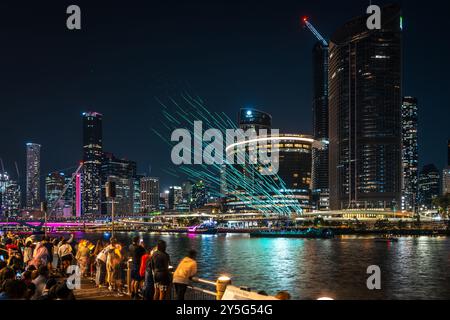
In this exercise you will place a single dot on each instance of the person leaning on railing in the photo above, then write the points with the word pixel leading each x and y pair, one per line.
pixel 184 273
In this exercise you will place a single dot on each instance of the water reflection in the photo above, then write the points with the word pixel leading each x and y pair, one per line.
pixel 412 268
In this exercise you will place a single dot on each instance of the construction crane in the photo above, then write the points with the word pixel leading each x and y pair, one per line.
pixel 315 32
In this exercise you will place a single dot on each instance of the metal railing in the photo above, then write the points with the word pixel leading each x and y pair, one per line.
pixel 192 292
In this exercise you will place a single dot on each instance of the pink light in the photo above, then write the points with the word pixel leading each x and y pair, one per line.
pixel 78 195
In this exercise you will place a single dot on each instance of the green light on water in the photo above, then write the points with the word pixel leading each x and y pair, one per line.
pixel 401 23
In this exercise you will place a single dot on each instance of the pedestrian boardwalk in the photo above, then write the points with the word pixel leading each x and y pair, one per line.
pixel 89 291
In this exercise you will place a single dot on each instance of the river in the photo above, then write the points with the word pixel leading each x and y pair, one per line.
pixel 412 268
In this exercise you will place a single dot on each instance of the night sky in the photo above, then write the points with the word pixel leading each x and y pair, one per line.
pixel 232 54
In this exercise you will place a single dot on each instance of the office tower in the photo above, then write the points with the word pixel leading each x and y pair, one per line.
pixel 429 183
pixel 33 176
pixel 137 193
pixel 69 197
pixel 365 114
pixel 186 188
pixel 199 195
pixel 54 186
pixel 4 181
pixel 175 196
pixel 320 190
pixel 446 181
pixel 9 196
pixel 92 158
pixel 149 194
pixel 123 173
pixel 410 153
pixel 164 200
pixel 249 118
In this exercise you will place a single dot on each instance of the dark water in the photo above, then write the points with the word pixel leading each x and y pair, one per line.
pixel 412 268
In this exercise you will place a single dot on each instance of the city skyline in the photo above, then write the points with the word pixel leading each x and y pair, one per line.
pixel 137 142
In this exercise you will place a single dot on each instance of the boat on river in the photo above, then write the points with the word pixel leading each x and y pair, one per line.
pixel 386 238
pixel 310 233
pixel 204 228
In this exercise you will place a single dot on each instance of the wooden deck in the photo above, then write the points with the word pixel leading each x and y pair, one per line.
pixel 89 291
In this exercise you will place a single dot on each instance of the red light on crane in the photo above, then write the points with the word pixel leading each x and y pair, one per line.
pixel 305 19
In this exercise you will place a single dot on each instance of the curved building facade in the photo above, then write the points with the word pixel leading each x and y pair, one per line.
pixel 287 191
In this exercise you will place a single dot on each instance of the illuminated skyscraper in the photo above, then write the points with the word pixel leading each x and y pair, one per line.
pixel 149 194
pixel 92 157
pixel 320 176
pixel 54 186
pixel 199 195
pixel 249 118
pixel 410 153
pixel 137 193
pixel 123 173
pixel 365 100
pixel 33 175
pixel 9 196
pixel 175 197
pixel 429 185
pixel 446 181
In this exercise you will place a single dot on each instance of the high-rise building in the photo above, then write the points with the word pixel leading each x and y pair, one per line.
pixel 175 196
pixel 33 176
pixel 164 200
pixel 92 158
pixel 186 188
pixel 149 194
pixel 410 153
pixel 69 196
pixel 365 114
pixel 429 185
pixel 320 189
pixel 9 196
pixel 199 195
pixel 446 181
pixel 249 118
pixel 123 173
pixel 54 186
pixel 137 194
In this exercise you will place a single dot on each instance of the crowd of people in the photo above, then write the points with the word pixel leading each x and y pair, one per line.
pixel 37 270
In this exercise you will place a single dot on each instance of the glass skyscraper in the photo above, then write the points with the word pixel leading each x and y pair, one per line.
pixel 149 194
pixel 365 98
pixel 33 176
pixel 123 173
pixel 54 186
pixel 92 158
pixel 410 153
pixel 320 181
pixel 429 186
